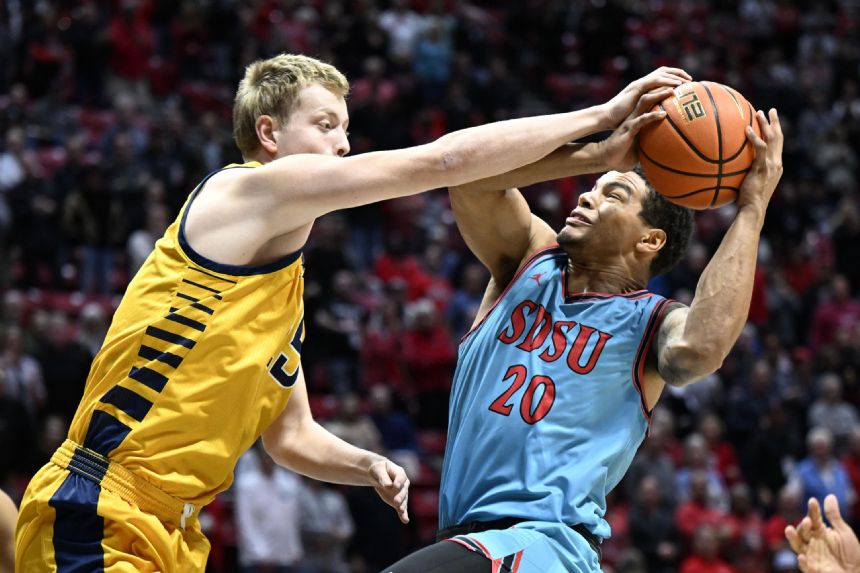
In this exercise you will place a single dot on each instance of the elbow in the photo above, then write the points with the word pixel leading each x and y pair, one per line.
pixel 687 365
pixel 451 160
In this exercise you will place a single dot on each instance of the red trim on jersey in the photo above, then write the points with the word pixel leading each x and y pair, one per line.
pixel 517 560
pixel 481 545
pixel 652 326
pixel 522 269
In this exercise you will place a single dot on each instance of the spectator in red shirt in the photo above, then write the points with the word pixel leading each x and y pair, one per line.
pixel 698 510
pixel 788 512
pixel 706 553
pixel 746 525
pixel 723 456
pixel 430 357
pixel 851 461
pixel 840 313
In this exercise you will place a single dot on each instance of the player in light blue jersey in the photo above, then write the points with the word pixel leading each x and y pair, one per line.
pixel 569 354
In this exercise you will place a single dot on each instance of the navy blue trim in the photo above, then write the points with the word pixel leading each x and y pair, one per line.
pixel 204 287
pixel 202 307
pixel 78 528
pixel 644 347
pixel 148 377
pixel 129 402
pixel 105 433
pixel 209 264
pixel 211 275
pixel 186 321
pixel 166 336
pixel 88 464
pixel 186 297
pixel 168 358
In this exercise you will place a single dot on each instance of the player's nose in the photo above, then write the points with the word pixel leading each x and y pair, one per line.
pixel 342 146
pixel 586 200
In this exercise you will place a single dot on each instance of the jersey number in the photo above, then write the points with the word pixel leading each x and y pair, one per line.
pixel 529 414
pixel 285 370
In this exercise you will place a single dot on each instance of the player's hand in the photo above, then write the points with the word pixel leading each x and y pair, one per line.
pixel 822 549
pixel 391 484
pixel 766 170
pixel 619 151
pixel 623 104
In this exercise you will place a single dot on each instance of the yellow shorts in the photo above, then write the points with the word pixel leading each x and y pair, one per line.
pixel 83 514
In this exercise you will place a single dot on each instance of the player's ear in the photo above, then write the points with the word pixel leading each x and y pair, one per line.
pixel 651 241
pixel 266 127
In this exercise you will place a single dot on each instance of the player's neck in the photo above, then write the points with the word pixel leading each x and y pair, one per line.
pixel 614 278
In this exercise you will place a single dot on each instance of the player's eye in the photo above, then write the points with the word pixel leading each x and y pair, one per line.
pixel 325 124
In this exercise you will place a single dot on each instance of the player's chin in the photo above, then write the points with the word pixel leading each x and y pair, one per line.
pixel 570 235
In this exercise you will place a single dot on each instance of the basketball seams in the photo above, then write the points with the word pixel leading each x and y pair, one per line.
pixel 689 173
pixel 689 143
pixel 719 143
pixel 702 190
pixel 749 108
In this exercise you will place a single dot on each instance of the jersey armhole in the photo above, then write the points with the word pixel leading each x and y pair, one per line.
pixel 658 313
pixel 224 268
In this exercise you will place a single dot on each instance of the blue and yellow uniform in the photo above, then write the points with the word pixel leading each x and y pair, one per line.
pixel 200 358
pixel 546 413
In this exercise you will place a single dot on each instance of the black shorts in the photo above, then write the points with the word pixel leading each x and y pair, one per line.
pixel 442 557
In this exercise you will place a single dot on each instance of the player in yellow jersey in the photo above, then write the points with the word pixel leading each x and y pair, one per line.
pixel 202 356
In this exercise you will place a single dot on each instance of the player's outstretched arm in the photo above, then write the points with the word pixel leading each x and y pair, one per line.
pixel 296 441
pixel 822 549
pixel 693 342
pixel 492 214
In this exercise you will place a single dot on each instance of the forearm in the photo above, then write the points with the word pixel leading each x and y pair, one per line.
pixel 568 160
pixel 511 146
pixel 721 304
pixel 311 450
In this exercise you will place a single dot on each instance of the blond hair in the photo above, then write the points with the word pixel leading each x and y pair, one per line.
pixel 271 87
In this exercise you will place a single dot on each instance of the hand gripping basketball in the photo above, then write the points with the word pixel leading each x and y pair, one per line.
pixel 766 170
pixel 623 104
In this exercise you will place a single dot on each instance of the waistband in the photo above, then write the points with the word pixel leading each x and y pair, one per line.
pixel 127 485
pixel 508 522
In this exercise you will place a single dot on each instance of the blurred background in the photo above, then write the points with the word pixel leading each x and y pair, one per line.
pixel 111 111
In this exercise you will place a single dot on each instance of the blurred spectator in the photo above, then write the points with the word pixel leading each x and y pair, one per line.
pixel 722 452
pixel 820 473
pixel 142 241
pixel 745 525
pixel 841 312
pixel 403 26
pixel 466 300
pixel 430 357
pixel 771 454
pixel 93 220
pixel 268 515
pixel 396 430
pixel 789 511
pixel 352 425
pixel 326 528
pixel 652 461
pixel 65 364
pixel 699 510
pixel 851 463
pixel 338 321
pixel 698 460
pixel 832 412
pixel 706 553
pixel 652 528
pixel 22 376
pixel 92 328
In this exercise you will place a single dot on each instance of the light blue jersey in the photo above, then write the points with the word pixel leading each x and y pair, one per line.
pixel 546 408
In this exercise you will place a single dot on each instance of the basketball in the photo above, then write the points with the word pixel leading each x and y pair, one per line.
pixel 699 154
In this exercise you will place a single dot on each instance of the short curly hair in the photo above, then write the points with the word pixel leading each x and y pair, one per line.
pixel 271 87
pixel 675 220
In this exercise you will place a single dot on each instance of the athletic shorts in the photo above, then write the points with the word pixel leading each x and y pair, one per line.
pixel 82 513
pixel 529 547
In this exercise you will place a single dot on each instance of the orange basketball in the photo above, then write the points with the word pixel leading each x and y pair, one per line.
pixel 699 154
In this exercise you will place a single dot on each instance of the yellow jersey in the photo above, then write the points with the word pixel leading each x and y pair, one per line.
pixel 200 358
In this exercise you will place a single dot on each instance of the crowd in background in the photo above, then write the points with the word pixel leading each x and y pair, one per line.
pixel 112 110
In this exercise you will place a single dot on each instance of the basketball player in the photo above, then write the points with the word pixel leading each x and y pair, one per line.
pixel 203 353
pixel 557 379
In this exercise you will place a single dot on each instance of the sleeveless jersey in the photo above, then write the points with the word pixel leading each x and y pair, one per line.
pixel 547 408
pixel 199 359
